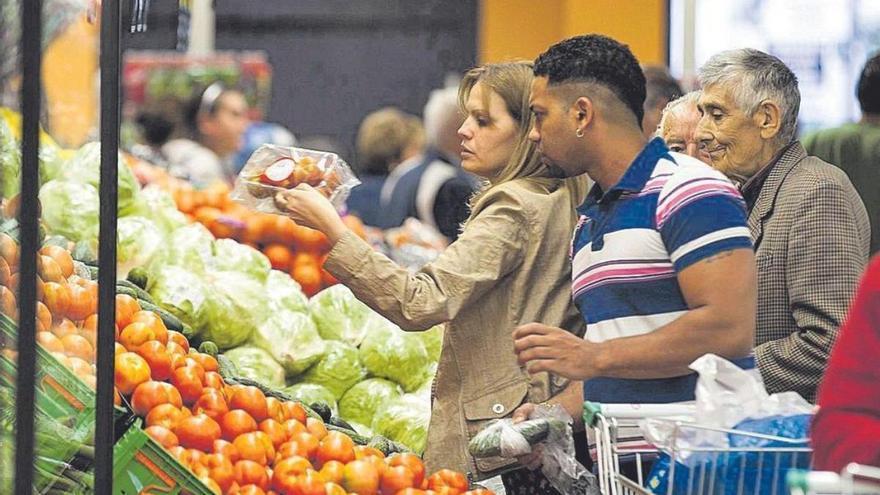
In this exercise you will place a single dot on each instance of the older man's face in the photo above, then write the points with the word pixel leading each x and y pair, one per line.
pixel 730 137
pixel 679 130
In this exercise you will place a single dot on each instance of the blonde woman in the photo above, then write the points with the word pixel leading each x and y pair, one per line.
pixel 510 266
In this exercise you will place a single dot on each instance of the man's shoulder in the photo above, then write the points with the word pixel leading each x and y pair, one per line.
pixel 681 173
pixel 813 173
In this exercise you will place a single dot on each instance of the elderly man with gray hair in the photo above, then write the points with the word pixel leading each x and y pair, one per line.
pixel 678 127
pixel 810 228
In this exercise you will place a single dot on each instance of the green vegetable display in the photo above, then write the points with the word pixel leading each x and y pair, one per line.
pixel 292 340
pixel 257 364
pixel 310 393
pixel 180 291
pixel 85 167
pixel 138 240
pixel 405 421
pixel 338 370
pixel 70 209
pixel 231 256
pixel 360 402
pixel 285 293
pixel 339 315
pixel 389 352
pixel 191 247
pixel 159 206
pixel 232 311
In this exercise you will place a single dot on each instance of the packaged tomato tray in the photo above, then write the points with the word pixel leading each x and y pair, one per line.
pixel 275 168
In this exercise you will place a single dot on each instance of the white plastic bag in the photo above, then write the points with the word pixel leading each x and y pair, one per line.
pixel 272 169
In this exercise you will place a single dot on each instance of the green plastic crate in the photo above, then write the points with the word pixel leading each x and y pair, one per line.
pixel 59 392
pixel 142 467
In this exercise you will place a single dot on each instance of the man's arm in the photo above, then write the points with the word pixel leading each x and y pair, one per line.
pixel 826 256
pixel 721 294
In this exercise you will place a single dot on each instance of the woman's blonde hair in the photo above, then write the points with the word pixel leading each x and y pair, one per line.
pixel 512 82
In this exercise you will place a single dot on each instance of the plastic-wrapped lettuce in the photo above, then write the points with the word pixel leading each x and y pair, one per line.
pixel 158 205
pixel 339 315
pixel 137 240
pixel 292 340
pixel 389 352
pixel 10 161
pixel 235 307
pixel 70 209
pixel 360 402
pixel 85 166
pixel 191 246
pixel 257 364
pixel 231 256
pixel 405 420
pixel 433 341
pixel 285 293
pixel 179 291
pixel 310 393
pixel 338 370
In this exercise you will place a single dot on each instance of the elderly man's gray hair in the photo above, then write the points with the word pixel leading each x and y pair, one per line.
pixel 442 114
pixel 754 76
pixel 688 102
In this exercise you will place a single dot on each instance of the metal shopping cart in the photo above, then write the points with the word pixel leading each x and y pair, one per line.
pixel 754 463
pixel 855 479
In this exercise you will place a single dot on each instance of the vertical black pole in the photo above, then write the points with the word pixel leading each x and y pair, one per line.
pixel 110 61
pixel 31 54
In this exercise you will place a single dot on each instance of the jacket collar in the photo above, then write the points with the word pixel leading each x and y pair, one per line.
pixel 770 190
pixel 635 177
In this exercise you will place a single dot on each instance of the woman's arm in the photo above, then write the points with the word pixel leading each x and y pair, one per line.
pixel 490 248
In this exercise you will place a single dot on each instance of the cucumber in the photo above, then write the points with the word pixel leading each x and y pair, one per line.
pixel 141 293
pixel 84 252
pixel 323 410
pixel 93 271
pixel 227 368
pixel 387 446
pixel 82 270
pixel 487 443
pixel 138 276
pixel 170 321
pixel 125 290
pixel 208 347
pixel 337 421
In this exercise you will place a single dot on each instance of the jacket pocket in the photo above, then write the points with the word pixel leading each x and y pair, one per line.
pixel 478 412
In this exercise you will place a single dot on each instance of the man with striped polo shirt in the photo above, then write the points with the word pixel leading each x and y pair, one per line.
pixel 662 263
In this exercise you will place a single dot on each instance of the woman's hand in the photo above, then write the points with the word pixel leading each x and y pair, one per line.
pixel 312 209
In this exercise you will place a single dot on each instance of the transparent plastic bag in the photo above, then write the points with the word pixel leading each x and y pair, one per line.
pixel 548 430
pixel 272 169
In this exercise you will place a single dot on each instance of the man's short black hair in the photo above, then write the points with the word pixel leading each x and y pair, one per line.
pixel 594 58
pixel 869 86
pixel 660 86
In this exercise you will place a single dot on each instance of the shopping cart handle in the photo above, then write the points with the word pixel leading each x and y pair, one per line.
pixel 592 410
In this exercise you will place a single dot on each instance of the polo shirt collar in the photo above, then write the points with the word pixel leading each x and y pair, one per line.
pixel 635 177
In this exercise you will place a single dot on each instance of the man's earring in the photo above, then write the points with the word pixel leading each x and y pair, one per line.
pixel 579 133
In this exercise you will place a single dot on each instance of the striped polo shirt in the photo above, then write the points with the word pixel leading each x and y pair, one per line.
pixel 667 212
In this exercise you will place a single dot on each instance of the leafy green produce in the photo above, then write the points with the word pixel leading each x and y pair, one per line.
pixel 292 339
pixel 85 166
pixel 158 205
pixel 180 291
pixel 360 402
pixel 191 247
pixel 338 370
pixel 310 393
pixel 389 352
pixel 232 256
pixel 234 308
pixel 70 209
pixel 405 420
pixel 138 240
pixel 257 364
pixel 285 293
pixel 339 315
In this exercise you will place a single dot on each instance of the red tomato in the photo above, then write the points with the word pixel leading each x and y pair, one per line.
pixel 251 447
pixel 294 427
pixel 236 422
pixel 360 477
pixel 294 410
pixel 178 339
pixel 165 437
pixel 212 403
pixel 151 394
pixel 213 380
pixel 316 427
pixel 411 461
pixel 198 432
pixel 221 470
pixel 186 380
pixel 156 355
pixel 335 446
pixel 276 431
pixel 251 473
pixel 126 307
pixel 250 399
pixel 227 449
pixel 310 483
pixel 448 478
pixel 306 441
pixel 166 415
pixel 332 471
pixel 286 472
pixel 154 322
pixel 396 478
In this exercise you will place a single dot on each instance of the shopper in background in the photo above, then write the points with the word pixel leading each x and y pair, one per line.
pixel 856 147
pixel 215 121
pixel 387 138
pixel 662 258
pixel 429 187
pixel 810 227
pixel 847 427
pixel 507 268
pixel 661 88
pixel 678 127
pixel 257 134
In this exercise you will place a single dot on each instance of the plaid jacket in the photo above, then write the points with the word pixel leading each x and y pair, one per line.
pixel 812 239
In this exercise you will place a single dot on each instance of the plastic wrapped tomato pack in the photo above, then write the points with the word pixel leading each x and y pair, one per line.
pixel 275 168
